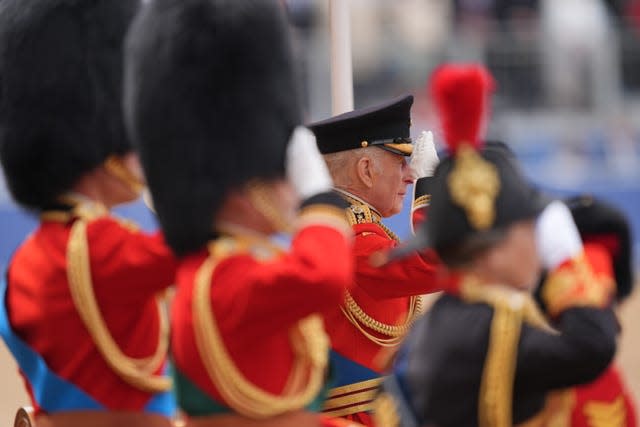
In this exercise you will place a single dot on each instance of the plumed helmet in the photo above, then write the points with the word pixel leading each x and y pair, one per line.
pixel 211 101
pixel 478 187
pixel 60 92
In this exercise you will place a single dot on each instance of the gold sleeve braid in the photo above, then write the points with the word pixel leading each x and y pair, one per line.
pixel 309 343
pixel 421 202
pixel 138 372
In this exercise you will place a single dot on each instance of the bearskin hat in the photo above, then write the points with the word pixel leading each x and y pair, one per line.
pixel 60 93
pixel 211 101
pixel 604 223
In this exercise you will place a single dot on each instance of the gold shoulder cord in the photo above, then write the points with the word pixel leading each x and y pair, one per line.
pixel 496 389
pixel 360 213
pixel 510 309
pixel 309 342
pixel 137 372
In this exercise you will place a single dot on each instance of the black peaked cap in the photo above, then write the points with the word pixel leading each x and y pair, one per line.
pixel 385 124
pixel 448 223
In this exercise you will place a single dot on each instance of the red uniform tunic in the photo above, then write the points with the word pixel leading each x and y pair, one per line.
pixel 264 326
pixel 128 269
pixel 381 296
pixel 605 401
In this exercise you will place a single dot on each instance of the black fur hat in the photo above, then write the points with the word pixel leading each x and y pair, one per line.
pixel 604 223
pixel 211 100
pixel 60 92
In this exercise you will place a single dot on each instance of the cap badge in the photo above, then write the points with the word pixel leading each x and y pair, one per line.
pixel 474 185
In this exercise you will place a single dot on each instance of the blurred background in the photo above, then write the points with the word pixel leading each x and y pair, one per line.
pixel 568 101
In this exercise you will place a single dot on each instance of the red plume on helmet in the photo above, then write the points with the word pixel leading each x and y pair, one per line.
pixel 460 93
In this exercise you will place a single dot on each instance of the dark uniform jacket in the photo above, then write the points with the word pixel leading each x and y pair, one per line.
pixel 484 356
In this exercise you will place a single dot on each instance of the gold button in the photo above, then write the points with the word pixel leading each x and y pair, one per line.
pixel 364 144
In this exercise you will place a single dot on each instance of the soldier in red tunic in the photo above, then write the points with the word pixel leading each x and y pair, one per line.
pixel 367 152
pixel 607 399
pixel 213 103
pixel 80 309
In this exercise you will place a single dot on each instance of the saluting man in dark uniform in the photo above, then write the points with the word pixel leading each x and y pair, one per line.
pixel 213 102
pixel 80 309
pixel 484 355
pixel 368 153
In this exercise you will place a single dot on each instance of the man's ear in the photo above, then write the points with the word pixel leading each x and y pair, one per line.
pixel 364 169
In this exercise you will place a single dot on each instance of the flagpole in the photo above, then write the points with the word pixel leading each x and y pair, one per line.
pixel 341 65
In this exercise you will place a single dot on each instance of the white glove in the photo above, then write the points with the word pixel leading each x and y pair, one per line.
pixel 557 236
pixel 425 157
pixel 306 169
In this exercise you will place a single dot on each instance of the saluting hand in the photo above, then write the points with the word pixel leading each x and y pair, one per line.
pixel 425 157
pixel 557 236
pixel 306 168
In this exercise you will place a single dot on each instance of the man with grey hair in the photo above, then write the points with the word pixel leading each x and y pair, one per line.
pixel 367 151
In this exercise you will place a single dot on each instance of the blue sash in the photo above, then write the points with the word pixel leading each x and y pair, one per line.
pixel 396 385
pixel 348 372
pixel 52 392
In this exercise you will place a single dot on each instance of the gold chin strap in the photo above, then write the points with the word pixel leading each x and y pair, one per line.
pixel 137 372
pixel 259 194
pixel 116 167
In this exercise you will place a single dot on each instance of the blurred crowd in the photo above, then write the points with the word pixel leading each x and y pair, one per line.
pixel 567 72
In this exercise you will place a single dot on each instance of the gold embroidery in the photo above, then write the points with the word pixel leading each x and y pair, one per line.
pixel 472 291
pixel 351 398
pixel 511 308
pixel 496 389
pixel 576 284
pixel 606 414
pixel 357 316
pixel 359 212
pixel 406 149
pixel 422 201
pixel 137 372
pixel 309 342
pixel 474 184
pixel 364 407
pixel 332 405
pixel 385 411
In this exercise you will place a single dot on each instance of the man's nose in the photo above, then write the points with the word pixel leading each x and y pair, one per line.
pixel 410 175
